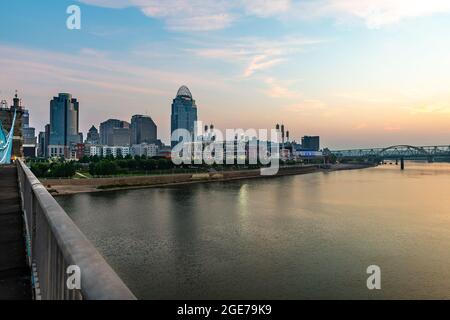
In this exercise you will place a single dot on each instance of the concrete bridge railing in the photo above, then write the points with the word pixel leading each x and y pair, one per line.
pixel 55 243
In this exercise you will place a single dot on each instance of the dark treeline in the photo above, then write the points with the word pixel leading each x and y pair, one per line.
pixel 110 166
pixel 54 169
pixel 99 166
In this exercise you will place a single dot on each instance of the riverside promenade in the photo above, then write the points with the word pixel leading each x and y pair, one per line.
pixel 14 272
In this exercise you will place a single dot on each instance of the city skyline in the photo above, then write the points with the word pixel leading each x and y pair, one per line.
pixel 355 76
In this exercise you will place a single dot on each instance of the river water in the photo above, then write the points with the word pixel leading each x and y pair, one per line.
pixel 298 237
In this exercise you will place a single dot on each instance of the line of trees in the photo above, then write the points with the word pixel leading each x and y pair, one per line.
pixel 110 166
pixel 54 170
pixel 107 167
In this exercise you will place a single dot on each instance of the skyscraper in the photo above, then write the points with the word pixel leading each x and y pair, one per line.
pixel 93 137
pixel 120 137
pixel 43 141
pixel 47 139
pixel 64 120
pixel 143 130
pixel 29 133
pixel 41 144
pixel 184 112
pixel 107 130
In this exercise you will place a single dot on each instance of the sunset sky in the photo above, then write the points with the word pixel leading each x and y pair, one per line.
pixel 359 73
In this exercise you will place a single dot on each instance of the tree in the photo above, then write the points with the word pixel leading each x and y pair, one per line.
pixel 103 168
pixel 164 164
pixel 62 170
pixel 40 169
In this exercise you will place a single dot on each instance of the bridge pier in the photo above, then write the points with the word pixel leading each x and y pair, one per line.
pixel 402 163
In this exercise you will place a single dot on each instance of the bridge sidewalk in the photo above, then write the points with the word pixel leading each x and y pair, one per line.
pixel 14 273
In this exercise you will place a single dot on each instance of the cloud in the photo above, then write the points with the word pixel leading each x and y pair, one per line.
pixel 199 15
pixel 255 54
pixel 278 90
pixel 116 4
pixel 194 15
pixel 205 15
pixel 266 8
pixel 375 13
pixel 260 63
pixel 180 15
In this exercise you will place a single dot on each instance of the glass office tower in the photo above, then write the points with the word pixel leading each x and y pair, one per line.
pixel 64 120
pixel 184 112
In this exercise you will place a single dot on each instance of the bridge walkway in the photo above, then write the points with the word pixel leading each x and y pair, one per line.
pixel 15 283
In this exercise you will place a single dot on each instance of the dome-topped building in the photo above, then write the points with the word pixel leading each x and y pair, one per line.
pixel 184 92
pixel 184 112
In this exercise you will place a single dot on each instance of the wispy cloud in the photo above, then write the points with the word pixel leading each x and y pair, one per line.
pixel 256 54
pixel 266 8
pixel 279 90
pixel 200 15
pixel 204 15
pixel 180 15
pixel 260 63
pixel 375 13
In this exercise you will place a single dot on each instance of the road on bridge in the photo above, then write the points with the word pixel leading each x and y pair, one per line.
pixel 14 272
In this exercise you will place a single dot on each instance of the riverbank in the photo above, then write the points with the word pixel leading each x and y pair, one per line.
pixel 60 187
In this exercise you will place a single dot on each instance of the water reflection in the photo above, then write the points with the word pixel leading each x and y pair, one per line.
pixel 309 236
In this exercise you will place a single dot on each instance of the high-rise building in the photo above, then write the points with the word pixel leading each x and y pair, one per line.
pixel 26 119
pixel 120 137
pixel 41 144
pixel 143 130
pixel 311 143
pixel 184 112
pixel 64 120
pixel 107 130
pixel 47 139
pixel 93 137
pixel 29 136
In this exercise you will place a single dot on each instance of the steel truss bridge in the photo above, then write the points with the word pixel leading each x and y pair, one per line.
pixel 429 153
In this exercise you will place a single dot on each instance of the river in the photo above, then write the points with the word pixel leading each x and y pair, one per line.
pixel 296 237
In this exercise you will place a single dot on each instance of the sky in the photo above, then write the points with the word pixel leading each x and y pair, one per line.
pixel 359 73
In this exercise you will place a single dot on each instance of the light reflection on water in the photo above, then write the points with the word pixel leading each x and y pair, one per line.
pixel 298 237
